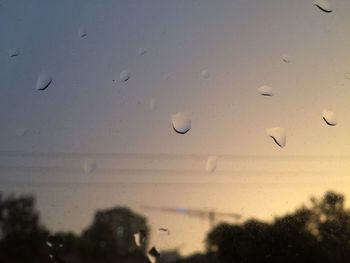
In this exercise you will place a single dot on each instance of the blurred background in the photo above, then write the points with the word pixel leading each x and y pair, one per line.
pixel 180 115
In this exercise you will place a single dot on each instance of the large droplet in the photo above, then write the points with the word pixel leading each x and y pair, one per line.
pixel 89 166
pixel 142 51
pixel 181 122
pixel 278 134
pixel 82 32
pixel 43 81
pixel 329 117
pixel 125 75
pixel 265 90
pixel 153 255
pixel 324 5
pixel 140 238
pixel 347 75
pixel 205 73
pixel 13 52
pixel 211 164
pixel 286 58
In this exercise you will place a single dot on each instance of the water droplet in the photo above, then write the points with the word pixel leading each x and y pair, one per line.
pixel 324 5
pixel 89 166
pixel 48 243
pixel 51 256
pixel 265 90
pixel 278 134
pixel 286 58
pixel 347 75
pixel 205 73
pixel 211 164
pixel 125 75
pixel 22 131
pixel 140 238
pixel 153 104
pixel 43 81
pixel 142 51
pixel 13 52
pixel 82 32
pixel 153 255
pixel 329 117
pixel 163 231
pixel 181 122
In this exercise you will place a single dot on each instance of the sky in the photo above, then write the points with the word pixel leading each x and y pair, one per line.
pixel 126 128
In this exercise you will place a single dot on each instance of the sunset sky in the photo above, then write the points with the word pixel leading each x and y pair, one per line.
pixel 125 127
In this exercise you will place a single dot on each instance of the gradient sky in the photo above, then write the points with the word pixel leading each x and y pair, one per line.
pixel 88 110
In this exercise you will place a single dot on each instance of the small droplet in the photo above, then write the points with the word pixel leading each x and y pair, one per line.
pixel 142 51
pixel 43 81
pixel 324 5
pixel 163 231
pixel 211 164
pixel 181 122
pixel 278 134
pixel 125 75
pixel 22 131
pixel 286 58
pixel 140 238
pixel 153 104
pixel 153 255
pixel 13 52
pixel 265 90
pixel 205 73
pixel 48 243
pixel 82 32
pixel 329 117
pixel 89 166
pixel 347 75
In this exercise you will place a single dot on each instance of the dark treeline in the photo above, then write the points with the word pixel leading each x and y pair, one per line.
pixel 317 233
pixel 320 233
pixel 108 239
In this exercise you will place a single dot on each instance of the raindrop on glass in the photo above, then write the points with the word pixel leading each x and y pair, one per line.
pixel 142 51
pixel 181 122
pixel 82 32
pixel 163 231
pixel 278 134
pixel 43 81
pixel 347 75
pixel 329 117
pixel 211 164
pixel 153 255
pixel 286 58
pixel 22 131
pixel 125 75
pixel 13 52
pixel 140 238
pixel 324 5
pixel 48 243
pixel 205 73
pixel 265 90
pixel 89 166
pixel 153 104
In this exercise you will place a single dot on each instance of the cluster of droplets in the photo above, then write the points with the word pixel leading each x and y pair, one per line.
pixel 278 134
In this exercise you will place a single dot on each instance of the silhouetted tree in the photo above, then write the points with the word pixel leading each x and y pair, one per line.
pixel 111 235
pixel 320 233
pixel 22 237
